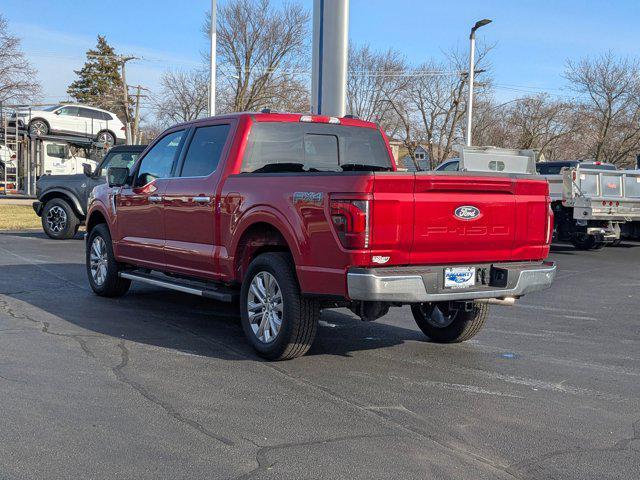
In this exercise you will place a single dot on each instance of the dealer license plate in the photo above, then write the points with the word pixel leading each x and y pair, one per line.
pixel 459 277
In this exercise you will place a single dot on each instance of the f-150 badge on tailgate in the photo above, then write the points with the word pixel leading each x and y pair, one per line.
pixel 467 212
pixel 307 197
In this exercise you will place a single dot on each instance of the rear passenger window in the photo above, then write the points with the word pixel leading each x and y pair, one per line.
pixel 204 151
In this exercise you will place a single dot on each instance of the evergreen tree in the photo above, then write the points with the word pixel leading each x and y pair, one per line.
pixel 99 82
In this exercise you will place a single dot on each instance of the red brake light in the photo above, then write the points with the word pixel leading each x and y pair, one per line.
pixel 123 129
pixel 350 220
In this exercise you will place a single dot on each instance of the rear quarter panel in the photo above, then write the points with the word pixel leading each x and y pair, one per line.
pixel 298 206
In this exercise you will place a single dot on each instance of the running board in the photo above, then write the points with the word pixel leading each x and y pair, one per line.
pixel 201 291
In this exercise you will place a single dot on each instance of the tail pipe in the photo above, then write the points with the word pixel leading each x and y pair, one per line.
pixel 505 302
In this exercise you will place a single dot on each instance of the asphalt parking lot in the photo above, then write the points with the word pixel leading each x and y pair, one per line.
pixel 159 384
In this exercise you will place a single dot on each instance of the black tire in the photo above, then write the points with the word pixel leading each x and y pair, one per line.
pixel 462 324
pixel 112 285
pixel 38 127
pixel 109 138
pixel 586 242
pixel 299 322
pixel 59 221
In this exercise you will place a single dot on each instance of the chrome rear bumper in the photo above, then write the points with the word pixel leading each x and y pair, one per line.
pixel 419 285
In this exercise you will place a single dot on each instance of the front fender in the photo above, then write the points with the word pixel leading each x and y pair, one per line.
pixel 77 206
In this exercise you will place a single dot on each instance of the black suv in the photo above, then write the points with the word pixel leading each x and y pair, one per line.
pixel 62 199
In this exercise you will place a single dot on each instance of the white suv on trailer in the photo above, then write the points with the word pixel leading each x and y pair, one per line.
pixel 70 119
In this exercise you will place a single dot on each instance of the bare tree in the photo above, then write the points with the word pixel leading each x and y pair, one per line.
pixel 262 54
pixel 611 109
pixel 531 122
pixel 438 93
pixel 18 82
pixel 376 83
pixel 183 96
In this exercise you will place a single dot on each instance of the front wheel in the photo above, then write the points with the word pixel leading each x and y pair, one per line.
pixel 102 268
pixel 450 322
pixel 39 128
pixel 59 221
pixel 277 320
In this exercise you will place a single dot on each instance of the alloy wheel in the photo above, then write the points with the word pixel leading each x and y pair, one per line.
pixel 56 219
pixel 38 128
pixel 265 307
pixel 98 261
pixel 106 138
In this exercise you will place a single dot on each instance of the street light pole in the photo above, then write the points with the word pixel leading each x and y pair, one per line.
pixel 212 61
pixel 472 53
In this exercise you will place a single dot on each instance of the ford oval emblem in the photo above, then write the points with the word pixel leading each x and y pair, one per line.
pixel 467 212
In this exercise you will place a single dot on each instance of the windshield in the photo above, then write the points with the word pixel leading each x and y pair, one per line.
pixel 314 147
pixel 50 109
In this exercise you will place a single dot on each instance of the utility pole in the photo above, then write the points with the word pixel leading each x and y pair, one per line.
pixel 125 88
pixel 136 119
pixel 212 60
pixel 472 52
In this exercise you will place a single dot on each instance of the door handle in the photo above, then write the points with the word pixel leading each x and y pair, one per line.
pixel 201 199
pixel 155 198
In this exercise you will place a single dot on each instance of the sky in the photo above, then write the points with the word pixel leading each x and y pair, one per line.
pixel 533 39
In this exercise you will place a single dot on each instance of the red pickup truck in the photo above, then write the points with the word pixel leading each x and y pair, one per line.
pixel 295 213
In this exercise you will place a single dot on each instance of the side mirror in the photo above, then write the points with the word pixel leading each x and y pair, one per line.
pixel 86 169
pixel 117 176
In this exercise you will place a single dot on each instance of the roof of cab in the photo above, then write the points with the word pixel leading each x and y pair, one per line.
pixel 285 117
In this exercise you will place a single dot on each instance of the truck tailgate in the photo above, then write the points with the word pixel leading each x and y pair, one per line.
pixel 463 219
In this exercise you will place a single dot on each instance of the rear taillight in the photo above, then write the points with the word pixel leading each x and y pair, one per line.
pixel 550 218
pixel 122 129
pixel 350 220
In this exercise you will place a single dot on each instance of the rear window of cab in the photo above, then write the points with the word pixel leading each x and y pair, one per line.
pixel 275 147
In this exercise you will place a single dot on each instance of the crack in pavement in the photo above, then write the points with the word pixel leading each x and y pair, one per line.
pixel 461 450
pixel 4 305
pixel 118 371
pixel 524 466
pixel 263 452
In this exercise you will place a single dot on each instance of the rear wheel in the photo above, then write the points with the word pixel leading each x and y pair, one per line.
pixel 582 241
pixel 450 322
pixel 106 137
pixel 59 221
pixel 277 320
pixel 102 268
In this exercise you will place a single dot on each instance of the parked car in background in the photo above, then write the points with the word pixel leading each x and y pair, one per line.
pixel 62 199
pixel 69 119
pixel 293 213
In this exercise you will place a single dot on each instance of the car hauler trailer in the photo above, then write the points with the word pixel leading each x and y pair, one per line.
pixel 42 155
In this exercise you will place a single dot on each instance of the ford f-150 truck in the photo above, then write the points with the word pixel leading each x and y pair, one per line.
pixel 292 213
